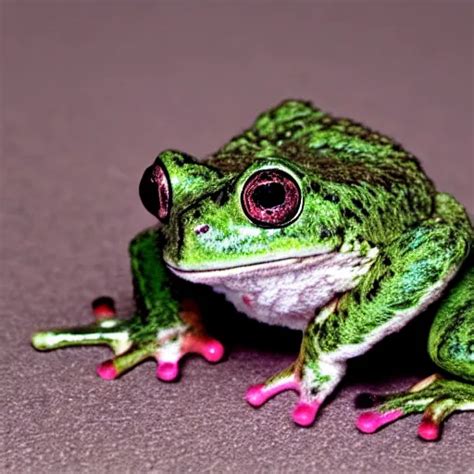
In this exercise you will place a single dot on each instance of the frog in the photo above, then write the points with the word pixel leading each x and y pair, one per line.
pixel 311 222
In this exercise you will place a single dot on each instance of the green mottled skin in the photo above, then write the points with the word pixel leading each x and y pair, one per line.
pixel 362 193
pixel 451 341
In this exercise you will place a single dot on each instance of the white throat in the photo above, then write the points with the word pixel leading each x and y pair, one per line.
pixel 288 292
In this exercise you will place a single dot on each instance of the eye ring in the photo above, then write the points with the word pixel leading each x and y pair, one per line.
pixel 271 198
pixel 155 191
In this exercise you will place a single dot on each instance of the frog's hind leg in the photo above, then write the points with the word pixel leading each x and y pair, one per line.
pixel 435 397
pixel 451 347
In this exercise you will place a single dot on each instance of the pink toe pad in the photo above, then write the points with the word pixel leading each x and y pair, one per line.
pixel 213 351
pixel 371 421
pixel 305 413
pixel 167 371
pixel 107 370
pixel 255 395
pixel 428 430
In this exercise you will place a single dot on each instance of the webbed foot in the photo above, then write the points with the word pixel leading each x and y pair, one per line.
pixel 435 397
pixel 133 341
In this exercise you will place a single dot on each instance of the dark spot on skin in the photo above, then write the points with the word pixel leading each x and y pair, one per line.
pixel 221 197
pixel 357 203
pixel 197 214
pixel 331 198
pixel 351 215
pixel 314 391
pixel 340 232
pixel 356 297
pixel 315 187
pixel 389 273
pixel 387 261
pixel 374 290
pixel 325 233
pixel 280 136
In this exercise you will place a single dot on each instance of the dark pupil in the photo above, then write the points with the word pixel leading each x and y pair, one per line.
pixel 269 195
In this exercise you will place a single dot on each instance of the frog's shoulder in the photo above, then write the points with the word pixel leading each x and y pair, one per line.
pixel 297 130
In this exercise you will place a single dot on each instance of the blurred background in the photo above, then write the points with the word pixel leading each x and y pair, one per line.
pixel 92 91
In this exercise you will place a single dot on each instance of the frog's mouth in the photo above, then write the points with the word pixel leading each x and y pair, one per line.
pixel 267 269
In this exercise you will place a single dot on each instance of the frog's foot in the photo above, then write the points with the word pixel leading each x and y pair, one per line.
pixel 167 349
pixel 133 342
pixel 191 338
pixel 309 401
pixel 173 347
pixel 436 397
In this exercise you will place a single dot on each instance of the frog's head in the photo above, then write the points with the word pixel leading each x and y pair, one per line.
pixel 215 223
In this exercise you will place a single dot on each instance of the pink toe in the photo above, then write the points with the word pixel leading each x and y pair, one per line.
pixel 103 312
pixel 107 370
pixel 428 430
pixel 103 307
pixel 371 421
pixel 255 395
pixel 305 413
pixel 213 351
pixel 167 371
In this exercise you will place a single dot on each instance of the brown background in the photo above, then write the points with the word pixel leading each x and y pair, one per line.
pixel 92 91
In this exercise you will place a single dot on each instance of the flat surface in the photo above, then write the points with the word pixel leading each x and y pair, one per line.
pixel 92 91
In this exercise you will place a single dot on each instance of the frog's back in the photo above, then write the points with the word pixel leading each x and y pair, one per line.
pixel 344 156
pixel 305 134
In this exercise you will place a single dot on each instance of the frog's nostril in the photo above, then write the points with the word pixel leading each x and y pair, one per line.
pixel 201 229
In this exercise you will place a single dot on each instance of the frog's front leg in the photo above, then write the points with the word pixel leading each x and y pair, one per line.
pixel 319 367
pixel 406 276
pixel 162 328
pixel 313 376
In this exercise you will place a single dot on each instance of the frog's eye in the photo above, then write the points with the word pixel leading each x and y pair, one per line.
pixel 155 191
pixel 271 198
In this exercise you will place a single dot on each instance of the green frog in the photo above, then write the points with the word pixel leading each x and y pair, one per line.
pixel 306 221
